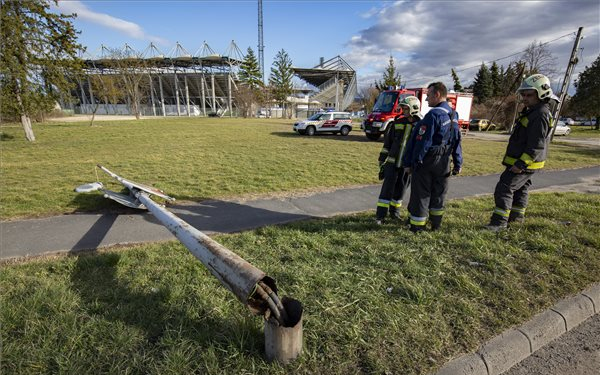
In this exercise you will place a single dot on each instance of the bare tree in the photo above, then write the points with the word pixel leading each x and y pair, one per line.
pixel 538 59
pixel 368 95
pixel 106 87
pixel 132 70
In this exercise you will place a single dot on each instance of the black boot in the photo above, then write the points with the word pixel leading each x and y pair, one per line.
pixel 436 222
pixel 516 217
pixel 497 223
pixel 395 214
pixel 417 228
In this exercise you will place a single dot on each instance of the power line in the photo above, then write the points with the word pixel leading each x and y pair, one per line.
pixel 491 61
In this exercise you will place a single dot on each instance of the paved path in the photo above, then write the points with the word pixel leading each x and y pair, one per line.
pixel 90 231
pixel 589 142
pixel 577 352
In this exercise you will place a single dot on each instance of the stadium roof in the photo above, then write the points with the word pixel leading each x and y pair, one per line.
pixel 325 71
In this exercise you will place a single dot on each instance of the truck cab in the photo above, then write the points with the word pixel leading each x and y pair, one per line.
pixel 386 108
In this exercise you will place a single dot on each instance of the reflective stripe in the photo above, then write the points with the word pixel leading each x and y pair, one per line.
pixel 395 203
pixel 417 220
pixel 436 211
pixel 383 203
pixel 404 140
pixel 390 159
pixel 501 212
pixel 524 121
pixel 399 126
pixel 519 210
pixel 534 165
pixel 384 151
pixel 526 158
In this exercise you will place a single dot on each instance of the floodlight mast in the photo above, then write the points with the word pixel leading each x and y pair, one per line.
pixel 283 318
pixel 261 46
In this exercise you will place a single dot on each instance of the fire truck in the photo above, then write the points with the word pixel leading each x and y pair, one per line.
pixel 386 108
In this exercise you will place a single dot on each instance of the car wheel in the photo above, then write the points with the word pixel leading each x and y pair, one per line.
pixel 492 127
pixel 373 137
pixel 567 132
pixel 310 130
pixel 345 130
pixel 301 132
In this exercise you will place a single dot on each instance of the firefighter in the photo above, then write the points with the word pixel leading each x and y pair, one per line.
pixel 525 153
pixel 434 141
pixel 395 180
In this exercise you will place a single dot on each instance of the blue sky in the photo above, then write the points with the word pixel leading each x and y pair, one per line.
pixel 427 38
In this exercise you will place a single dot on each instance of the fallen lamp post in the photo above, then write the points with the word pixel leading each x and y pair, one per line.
pixel 283 317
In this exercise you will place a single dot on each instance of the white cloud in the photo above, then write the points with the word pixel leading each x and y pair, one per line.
pixel 428 38
pixel 125 27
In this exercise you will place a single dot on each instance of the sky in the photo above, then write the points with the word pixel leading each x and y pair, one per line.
pixel 426 38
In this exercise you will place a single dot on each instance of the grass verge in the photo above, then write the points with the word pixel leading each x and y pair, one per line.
pixel 198 158
pixel 377 299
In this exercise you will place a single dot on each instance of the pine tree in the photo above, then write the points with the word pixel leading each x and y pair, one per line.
pixel 391 77
pixel 585 101
pixel 496 78
pixel 250 71
pixel 482 88
pixel 38 55
pixel 457 86
pixel 280 79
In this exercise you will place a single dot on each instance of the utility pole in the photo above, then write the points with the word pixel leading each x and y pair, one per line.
pixel 261 47
pixel 567 80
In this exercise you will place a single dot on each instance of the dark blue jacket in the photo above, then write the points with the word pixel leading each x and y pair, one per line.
pixel 435 131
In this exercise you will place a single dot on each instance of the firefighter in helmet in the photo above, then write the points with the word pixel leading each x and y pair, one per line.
pixel 525 153
pixel 395 180
pixel 434 142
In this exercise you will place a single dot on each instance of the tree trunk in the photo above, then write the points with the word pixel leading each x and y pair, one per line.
pixel 94 113
pixel 26 122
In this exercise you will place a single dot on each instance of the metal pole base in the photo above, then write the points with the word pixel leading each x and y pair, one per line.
pixel 284 344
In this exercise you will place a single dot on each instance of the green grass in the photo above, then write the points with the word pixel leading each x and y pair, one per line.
pixel 154 309
pixel 584 132
pixel 199 158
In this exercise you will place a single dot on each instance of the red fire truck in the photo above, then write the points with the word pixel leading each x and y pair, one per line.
pixel 386 108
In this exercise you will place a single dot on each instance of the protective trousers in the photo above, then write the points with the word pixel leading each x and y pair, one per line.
pixel 395 184
pixel 511 196
pixel 428 189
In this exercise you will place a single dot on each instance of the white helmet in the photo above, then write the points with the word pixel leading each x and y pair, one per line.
pixel 539 83
pixel 413 104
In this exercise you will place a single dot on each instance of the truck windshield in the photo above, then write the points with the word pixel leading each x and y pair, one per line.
pixel 385 101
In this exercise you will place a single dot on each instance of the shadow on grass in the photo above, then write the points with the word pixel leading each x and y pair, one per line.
pixel 335 137
pixel 6 137
pixel 568 148
pixel 107 295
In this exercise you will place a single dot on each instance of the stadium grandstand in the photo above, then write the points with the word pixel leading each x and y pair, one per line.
pixel 200 84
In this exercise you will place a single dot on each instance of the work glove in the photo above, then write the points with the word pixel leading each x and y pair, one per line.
pixel 381 173
pixel 456 171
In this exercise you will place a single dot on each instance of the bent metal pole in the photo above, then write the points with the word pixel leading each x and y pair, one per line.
pixel 249 284
pixel 283 318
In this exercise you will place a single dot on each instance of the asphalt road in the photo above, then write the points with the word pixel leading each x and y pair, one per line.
pixel 577 352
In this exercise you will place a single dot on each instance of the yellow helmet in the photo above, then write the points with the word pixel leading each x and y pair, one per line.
pixel 539 83
pixel 413 104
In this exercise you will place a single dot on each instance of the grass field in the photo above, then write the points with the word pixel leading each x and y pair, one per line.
pixel 584 132
pixel 377 299
pixel 198 158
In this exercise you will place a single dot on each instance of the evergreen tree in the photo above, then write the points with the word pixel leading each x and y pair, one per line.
pixel 391 77
pixel 585 101
pixel 250 71
pixel 482 88
pixel 38 54
pixel 496 78
pixel 280 79
pixel 457 86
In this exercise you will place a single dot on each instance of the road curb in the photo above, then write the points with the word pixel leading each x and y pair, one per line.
pixel 514 345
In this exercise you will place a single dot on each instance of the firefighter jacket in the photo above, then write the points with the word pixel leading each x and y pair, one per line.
pixel 527 145
pixel 394 142
pixel 435 133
